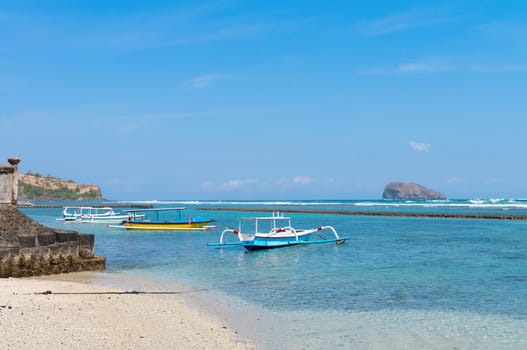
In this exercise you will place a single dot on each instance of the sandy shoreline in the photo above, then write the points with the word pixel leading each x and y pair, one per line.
pixel 94 316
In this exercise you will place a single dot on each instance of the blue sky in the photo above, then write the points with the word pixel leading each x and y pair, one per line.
pixel 267 100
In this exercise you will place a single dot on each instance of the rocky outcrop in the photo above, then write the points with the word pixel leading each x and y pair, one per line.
pixel 28 248
pixel 409 191
pixel 47 188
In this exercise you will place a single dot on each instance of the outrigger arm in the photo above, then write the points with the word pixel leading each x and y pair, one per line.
pixel 221 243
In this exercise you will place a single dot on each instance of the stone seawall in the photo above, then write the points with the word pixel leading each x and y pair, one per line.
pixel 28 248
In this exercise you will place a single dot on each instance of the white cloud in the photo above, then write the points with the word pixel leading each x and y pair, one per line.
pixel 498 68
pixel 432 65
pixel 205 81
pixel 424 67
pixel 230 185
pixel 412 67
pixel 132 123
pixel 236 184
pixel 504 30
pixel 493 181
pixel 221 34
pixel 302 180
pixel 402 21
pixel 172 28
pixel 453 180
pixel 443 66
pixel 419 147
pixel 242 184
pixel 373 71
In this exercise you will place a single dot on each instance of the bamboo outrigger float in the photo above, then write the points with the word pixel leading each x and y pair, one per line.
pixel 280 234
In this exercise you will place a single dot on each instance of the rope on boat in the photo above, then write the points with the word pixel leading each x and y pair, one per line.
pixel 322 237
pixel 338 240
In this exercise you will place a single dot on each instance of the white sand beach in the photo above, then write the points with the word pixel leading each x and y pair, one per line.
pixel 90 316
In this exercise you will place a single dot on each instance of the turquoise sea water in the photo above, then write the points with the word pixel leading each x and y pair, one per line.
pixel 398 283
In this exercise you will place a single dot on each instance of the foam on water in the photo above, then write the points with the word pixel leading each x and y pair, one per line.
pixel 492 203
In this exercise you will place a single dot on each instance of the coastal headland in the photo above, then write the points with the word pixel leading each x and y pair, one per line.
pixel 375 213
pixel 35 187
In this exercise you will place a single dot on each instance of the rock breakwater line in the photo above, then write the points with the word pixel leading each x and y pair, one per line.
pixel 374 213
pixel 53 206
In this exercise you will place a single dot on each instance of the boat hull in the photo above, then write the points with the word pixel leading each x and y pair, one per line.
pixel 262 242
pixel 130 225
pixel 103 220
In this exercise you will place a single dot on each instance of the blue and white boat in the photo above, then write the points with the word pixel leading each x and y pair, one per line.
pixel 275 231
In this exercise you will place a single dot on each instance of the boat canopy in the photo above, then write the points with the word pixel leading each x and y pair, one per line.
pixel 154 209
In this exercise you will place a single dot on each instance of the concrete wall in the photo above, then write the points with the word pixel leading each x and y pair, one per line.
pixel 9 181
pixel 30 249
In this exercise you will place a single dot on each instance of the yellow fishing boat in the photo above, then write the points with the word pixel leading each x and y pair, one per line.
pixel 149 219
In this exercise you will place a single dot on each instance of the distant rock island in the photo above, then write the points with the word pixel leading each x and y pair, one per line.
pixel 35 187
pixel 409 191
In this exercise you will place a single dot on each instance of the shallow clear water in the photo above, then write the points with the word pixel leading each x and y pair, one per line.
pixel 417 282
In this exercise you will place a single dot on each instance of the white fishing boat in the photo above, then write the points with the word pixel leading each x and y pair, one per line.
pixel 95 215
pixel 276 231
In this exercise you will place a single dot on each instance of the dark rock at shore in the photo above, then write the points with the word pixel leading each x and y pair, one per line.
pixel 410 191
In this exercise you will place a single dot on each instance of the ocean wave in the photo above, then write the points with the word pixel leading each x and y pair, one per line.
pixel 266 203
pixel 464 203
pixel 471 203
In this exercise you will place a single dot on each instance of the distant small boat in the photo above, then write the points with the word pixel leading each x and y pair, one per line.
pixel 280 234
pixel 103 215
pixel 141 219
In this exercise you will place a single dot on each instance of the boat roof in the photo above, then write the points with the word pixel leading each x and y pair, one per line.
pixel 266 218
pixel 86 207
pixel 152 209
